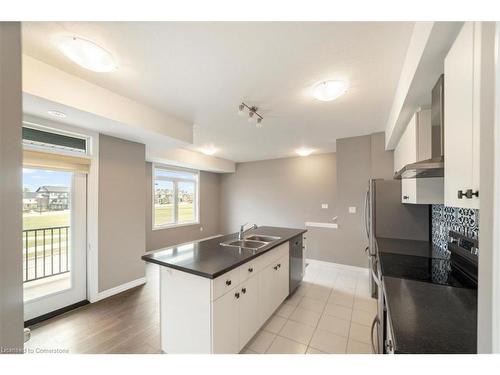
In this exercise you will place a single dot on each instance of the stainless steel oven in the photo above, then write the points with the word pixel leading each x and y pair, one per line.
pixel 379 322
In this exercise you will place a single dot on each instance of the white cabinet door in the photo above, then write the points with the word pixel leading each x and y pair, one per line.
pixel 406 150
pixel 267 292
pixel 422 190
pixel 249 310
pixel 461 154
pixel 225 330
pixel 283 282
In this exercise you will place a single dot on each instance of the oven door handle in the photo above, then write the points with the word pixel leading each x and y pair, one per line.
pixel 375 274
pixel 374 323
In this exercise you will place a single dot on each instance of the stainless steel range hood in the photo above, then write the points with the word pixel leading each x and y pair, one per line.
pixel 433 167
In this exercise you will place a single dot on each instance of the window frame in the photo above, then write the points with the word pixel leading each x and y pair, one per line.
pixel 175 181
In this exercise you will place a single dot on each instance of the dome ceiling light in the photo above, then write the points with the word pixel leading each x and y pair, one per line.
pixel 209 150
pixel 87 54
pixel 253 115
pixel 326 91
pixel 304 151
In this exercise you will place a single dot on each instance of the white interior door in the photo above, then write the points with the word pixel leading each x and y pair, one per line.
pixel 54 254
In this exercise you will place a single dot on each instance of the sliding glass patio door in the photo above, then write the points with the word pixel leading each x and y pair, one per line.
pixel 54 240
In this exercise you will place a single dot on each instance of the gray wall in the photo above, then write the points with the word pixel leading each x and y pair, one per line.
pixel 281 192
pixel 11 282
pixel 289 192
pixel 122 208
pixel 209 215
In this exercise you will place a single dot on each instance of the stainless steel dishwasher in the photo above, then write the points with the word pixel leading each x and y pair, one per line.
pixel 296 262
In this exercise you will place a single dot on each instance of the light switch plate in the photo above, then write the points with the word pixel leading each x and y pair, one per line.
pixel 324 205
pixel 352 210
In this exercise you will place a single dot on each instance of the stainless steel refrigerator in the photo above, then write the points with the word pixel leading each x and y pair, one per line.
pixel 387 217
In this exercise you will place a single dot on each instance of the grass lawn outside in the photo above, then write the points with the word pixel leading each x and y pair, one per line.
pixel 46 219
pixel 164 214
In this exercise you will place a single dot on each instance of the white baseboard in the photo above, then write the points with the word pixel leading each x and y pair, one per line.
pixel 336 265
pixel 120 288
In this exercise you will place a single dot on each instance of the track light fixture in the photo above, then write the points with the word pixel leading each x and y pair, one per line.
pixel 253 115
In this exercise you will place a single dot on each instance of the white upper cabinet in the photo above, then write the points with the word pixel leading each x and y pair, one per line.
pixel 406 150
pixel 415 145
pixel 461 119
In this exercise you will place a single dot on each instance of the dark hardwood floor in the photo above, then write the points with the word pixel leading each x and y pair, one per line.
pixel 128 322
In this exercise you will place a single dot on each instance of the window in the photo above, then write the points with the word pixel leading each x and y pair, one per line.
pixel 56 140
pixel 175 197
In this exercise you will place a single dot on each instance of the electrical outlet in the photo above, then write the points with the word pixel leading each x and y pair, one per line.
pixel 324 205
pixel 352 210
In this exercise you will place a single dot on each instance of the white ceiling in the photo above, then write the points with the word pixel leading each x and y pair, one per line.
pixel 200 72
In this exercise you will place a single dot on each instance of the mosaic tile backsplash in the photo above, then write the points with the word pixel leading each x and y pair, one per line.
pixel 462 220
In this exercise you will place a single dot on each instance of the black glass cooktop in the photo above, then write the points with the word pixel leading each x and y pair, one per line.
pixel 432 270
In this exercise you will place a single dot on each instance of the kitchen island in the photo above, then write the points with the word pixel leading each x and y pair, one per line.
pixel 215 297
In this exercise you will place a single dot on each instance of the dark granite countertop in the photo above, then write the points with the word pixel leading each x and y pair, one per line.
pixel 430 318
pixel 210 259
pixel 410 247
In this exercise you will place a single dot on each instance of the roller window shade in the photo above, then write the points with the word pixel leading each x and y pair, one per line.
pixel 54 140
pixel 37 159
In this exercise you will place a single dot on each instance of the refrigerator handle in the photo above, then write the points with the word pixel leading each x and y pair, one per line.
pixel 366 214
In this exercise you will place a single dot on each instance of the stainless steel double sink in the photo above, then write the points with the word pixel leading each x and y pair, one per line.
pixel 252 242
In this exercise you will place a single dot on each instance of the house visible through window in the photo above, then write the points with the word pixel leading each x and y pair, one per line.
pixel 175 196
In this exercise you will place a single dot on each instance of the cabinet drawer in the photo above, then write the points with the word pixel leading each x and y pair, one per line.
pixel 225 283
pixel 249 269
pixel 273 255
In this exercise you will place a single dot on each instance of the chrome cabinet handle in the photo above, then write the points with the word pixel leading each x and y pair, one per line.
pixel 469 193
pixel 228 282
pixel 375 322
pixel 405 197
pixel 244 290
pixel 237 295
pixel 250 269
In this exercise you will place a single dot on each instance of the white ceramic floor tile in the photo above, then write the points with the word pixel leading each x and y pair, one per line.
pixel 311 350
pixel 274 324
pixel 285 310
pixel 338 311
pixel 328 342
pixel 305 316
pixel 312 304
pixel 365 304
pixel 248 351
pixel 359 332
pixel 342 298
pixel 299 332
pixel 356 347
pixel 261 342
pixel 282 345
pixel 362 317
pixel 334 325
pixel 319 292
pixel 294 299
pixel 303 288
